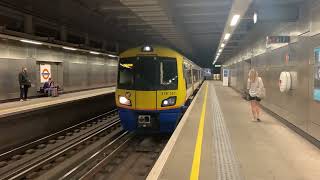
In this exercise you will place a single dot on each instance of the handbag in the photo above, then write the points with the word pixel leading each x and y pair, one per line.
pixel 261 93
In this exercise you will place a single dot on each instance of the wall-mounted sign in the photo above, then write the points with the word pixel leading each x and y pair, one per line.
pixel 285 82
pixel 225 79
pixel 316 89
pixel 287 58
pixel 45 72
pixel 278 39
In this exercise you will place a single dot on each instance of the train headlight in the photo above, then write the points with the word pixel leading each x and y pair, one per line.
pixel 124 101
pixel 169 101
pixel 147 49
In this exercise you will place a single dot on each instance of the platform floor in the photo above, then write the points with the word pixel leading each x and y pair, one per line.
pixel 11 108
pixel 233 146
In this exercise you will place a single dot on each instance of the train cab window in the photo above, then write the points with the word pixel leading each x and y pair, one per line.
pixel 126 74
pixel 168 75
pixel 146 73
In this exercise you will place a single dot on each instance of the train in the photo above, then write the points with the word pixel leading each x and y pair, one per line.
pixel 153 86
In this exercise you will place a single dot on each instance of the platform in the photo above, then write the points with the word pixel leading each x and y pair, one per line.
pixel 217 139
pixel 17 107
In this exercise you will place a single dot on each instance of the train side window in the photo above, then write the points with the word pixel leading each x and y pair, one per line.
pixel 168 74
pixel 185 73
pixel 189 77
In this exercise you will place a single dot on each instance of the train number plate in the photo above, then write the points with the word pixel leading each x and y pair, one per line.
pixel 144 119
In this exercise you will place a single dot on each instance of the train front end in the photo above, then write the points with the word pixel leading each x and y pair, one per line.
pixel 149 95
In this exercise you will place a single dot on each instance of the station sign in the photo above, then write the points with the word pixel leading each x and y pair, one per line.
pixel 45 72
pixel 277 39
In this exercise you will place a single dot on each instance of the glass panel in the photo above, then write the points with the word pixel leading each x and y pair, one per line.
pixel 126 74
pixel 146 74
pixel 168 74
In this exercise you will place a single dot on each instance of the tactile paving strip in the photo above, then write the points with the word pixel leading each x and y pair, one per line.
pixel 227 164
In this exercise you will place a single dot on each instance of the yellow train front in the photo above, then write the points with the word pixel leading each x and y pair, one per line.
pixel 153 85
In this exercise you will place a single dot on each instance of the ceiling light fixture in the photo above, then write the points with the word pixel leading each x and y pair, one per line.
pixel 235 20
pixel 30 42
pixel 223 45
pixel 227 36
pixel 69 48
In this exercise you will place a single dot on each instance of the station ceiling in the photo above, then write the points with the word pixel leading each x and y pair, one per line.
pixel 193 27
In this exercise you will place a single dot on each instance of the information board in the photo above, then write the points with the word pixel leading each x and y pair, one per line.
pixel 316 89
pixel 225 80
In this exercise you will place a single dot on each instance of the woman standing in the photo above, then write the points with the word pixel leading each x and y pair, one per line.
pixel 256 88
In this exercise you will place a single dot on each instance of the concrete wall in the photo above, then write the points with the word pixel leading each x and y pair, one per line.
pixel 72 70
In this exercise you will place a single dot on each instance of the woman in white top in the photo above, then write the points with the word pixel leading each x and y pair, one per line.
pixel 254 85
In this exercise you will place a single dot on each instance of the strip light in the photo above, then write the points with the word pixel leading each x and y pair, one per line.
pixel 93 52
pixel 69 48
pixel 30 42
pixel 235 20
pixel 227 36
pixel 222 45
pixel 110 55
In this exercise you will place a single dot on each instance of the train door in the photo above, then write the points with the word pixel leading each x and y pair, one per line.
pixel 146 81
pixel 46 70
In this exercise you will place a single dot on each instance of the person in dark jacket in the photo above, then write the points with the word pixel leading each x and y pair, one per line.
pixel 24 83
pixel 47 87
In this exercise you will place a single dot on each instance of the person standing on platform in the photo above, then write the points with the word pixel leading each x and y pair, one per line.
pixel 256 92
pixel 24 83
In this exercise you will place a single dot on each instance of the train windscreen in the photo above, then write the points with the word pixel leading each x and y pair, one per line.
pixel 148 73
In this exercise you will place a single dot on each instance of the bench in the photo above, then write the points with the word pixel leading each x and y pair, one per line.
pixel 41 92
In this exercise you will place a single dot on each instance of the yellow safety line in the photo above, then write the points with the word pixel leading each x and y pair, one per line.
pixel 197 152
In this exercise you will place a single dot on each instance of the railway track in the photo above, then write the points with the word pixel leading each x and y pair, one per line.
pixel 130 156
pixel 38 157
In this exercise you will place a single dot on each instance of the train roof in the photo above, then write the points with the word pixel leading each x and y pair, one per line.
pixel 156 49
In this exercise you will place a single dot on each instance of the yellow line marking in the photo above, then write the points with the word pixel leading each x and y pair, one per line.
pixel 197 152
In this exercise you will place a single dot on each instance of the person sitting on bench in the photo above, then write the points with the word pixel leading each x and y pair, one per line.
pixel 47 86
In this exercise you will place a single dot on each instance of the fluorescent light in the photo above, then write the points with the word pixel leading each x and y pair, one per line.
pixel 69 48
pixel 235 20
pixel 255 18
pixel 227 36
pixel 30 41
pixel 220 50
pixel 222 45
pixel 110 55
pixel 93 52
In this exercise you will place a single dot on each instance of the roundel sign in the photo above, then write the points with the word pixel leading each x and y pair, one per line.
pixel 285 82
pixel 45 72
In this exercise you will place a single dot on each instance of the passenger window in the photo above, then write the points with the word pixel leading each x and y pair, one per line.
pixel 168 74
